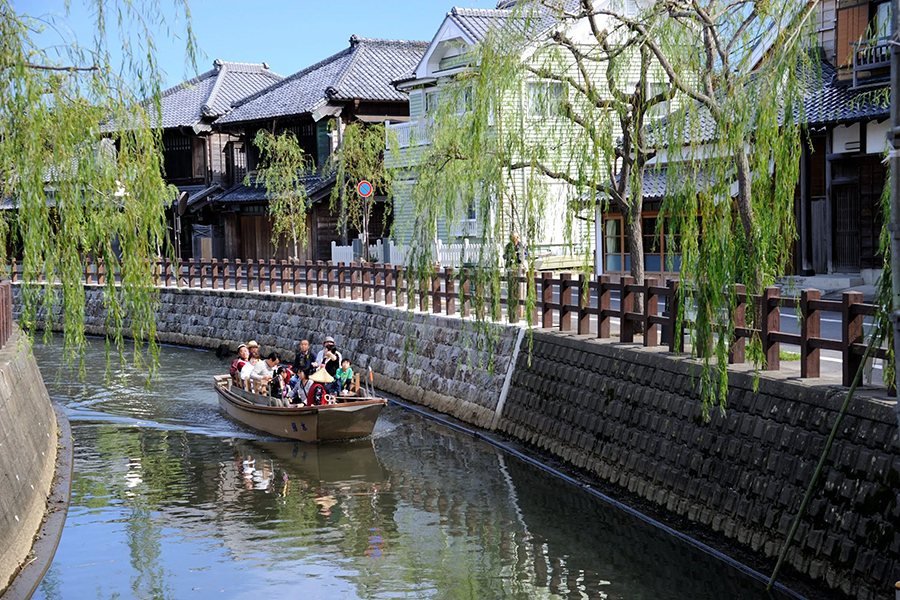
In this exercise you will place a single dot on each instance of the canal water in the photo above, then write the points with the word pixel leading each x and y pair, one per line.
pixel 172 499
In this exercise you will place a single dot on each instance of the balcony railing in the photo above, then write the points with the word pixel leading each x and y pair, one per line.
pixel 414 133
pixel 869 55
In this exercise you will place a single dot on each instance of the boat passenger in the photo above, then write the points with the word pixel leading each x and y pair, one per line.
pixel 317 392
pixel 239 362
pixel 344 377
pixel 331 365
pixel 300 387
pixel 253 347
pixel 328 344
pixel 279 387
pixel 303 360
pixel 245 372
pixel 264 370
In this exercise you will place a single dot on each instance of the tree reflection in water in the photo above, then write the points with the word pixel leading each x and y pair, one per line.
pixel 203 506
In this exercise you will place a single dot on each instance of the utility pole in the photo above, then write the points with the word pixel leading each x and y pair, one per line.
pixel 894 136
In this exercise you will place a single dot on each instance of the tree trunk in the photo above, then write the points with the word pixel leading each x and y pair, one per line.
pixel 634 231
pixel 745 209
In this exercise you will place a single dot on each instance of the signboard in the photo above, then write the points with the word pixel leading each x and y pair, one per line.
pixel 364 188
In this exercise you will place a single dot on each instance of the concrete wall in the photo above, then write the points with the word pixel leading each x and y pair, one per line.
pixel 629 416
pixel 28 440
pixel 632 417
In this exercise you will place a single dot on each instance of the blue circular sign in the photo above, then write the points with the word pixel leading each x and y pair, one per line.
pixel 364 188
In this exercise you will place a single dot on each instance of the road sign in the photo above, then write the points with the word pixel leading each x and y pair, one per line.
pixel 365 189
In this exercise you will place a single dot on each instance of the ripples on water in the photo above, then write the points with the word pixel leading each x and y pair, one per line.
pixel 172 499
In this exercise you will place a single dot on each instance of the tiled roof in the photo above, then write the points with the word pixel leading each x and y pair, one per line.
pixel 253 193
pixel 825 103
pixel 839 104
pixel 212 93
pixel 364 70
pixel 476 22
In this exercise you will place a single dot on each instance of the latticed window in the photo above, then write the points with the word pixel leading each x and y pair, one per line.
pixel 177 157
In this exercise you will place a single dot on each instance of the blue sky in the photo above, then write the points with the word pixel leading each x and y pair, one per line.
pixel 287 35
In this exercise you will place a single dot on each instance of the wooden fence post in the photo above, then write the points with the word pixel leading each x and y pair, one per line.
pixel 810 327
pixel 354 280
pixel 565 301
pixel 203 273
pixel 436 291
pixel 603 304
pixel 584 302
pixel 330 275
pixel 192 272
pixel 389 284
pixel 366 281
pixel 546 299
pixel 450 285
pixel 464 291
pixel 676 333
pixel 737 350
pixel 378 282
pixel 771 323
pixel 296 269
pixel 226 274
pixel 651 308
pixel 851 333
pixel 215 274
pixel 626 305
pixel 398 286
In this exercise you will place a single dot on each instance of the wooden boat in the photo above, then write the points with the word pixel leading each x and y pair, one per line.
pixel 342 421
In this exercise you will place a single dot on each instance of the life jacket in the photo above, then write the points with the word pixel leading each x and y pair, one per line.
pixel 316 395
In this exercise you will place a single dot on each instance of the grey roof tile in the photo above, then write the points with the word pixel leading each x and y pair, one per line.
pixel 476 22
pixel 253 193
pixel 364 70
pixel 825 103
pixel 212 93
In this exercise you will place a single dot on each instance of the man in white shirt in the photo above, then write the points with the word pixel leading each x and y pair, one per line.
pixel 265 369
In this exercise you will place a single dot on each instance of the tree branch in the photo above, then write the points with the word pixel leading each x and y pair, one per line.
pixel 70 69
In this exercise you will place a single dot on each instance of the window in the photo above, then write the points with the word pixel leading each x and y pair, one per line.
pixel 662 249
pixel 546 98
pixel 882 21
pixel 431 102
pixel 177 157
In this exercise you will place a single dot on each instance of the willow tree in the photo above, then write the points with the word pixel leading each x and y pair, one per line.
pixel 284 168
pixel 549 122
pixel 80 163
pixel 732 147
pixel 360 157
pixel 564 92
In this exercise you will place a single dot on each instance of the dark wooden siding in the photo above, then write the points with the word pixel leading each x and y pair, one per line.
pixel 256 240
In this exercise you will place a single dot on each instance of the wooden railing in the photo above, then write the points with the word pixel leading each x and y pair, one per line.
pixel 870 54
pixel 561 298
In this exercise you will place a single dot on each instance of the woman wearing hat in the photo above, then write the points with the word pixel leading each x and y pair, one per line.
pixel 317 392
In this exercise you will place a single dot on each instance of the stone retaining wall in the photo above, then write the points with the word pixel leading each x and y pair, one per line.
pixel 632 417
pixel 439 362
pixel 28 440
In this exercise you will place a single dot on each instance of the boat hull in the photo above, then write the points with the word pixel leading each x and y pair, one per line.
pixel 332 422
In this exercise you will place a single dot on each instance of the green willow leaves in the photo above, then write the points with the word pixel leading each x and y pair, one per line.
pixel 80 170
pixel 282 171
pixel 567 106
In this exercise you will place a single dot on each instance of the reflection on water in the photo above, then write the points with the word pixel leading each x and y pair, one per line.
pixel 172 499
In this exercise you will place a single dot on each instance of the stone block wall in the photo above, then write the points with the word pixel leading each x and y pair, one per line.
pixel 440 362
pixel 630 416
pixel 633 418
pixel 28 439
